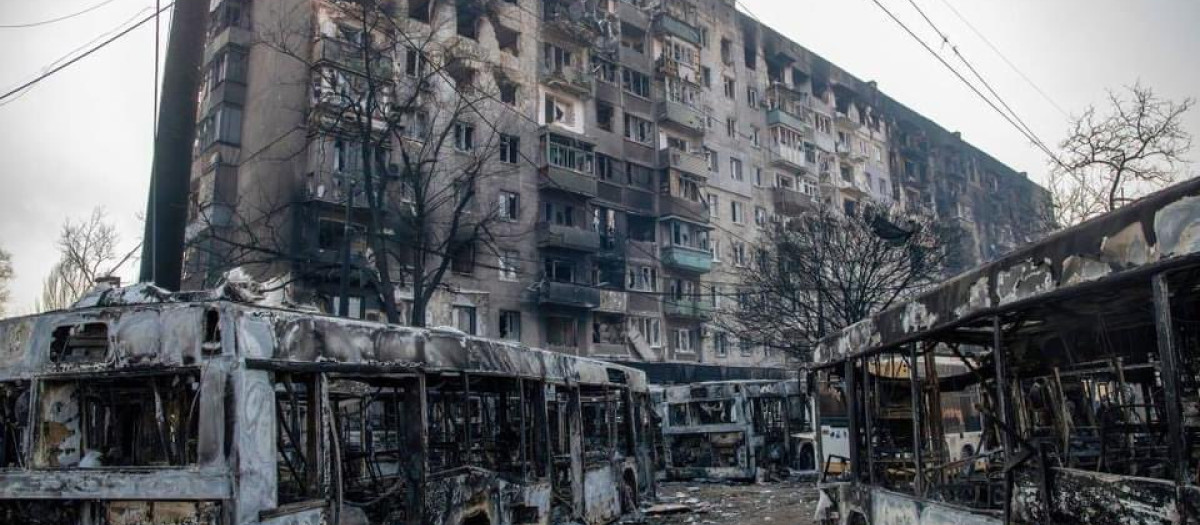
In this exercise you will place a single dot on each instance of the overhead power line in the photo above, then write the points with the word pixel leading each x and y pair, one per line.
pixel 988 101
pixel 971 68
pixel 85 54
pixel 58 19
pixel 1005 58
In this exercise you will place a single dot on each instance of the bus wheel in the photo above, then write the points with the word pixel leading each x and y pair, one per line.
pixel 477 519
pixel 629 502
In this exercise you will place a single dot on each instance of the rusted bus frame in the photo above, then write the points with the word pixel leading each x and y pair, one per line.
pixel 742 393
pixel 168 334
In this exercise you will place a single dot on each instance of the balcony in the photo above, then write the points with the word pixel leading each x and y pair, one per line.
pixel 687 259
pixel 688 308
pixel 789 158
pixel 849 154
pixel 845 121
pixel 671 206
pixel 350 57
pixel 570 79
pixel 685 161
pixel 567 180
pixel 779 117
pixel 674 26
pixel 568 294
pixel 567 237
pixel 557 16
pixel 613 302
pixel 335 188
pixel 682 115
pixel 791 203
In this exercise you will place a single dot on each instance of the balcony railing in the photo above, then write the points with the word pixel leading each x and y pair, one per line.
pixel 350 56
pixel 685 258
pixel 671 206
pixel 790 158
pixel 566 78
pixel 687 307
pixel 563 179
pixel 779 117
pixel 568 294
pixel 567 237
pixel 674 26
pixel 686 116
pixel 685 161
pixel 790 202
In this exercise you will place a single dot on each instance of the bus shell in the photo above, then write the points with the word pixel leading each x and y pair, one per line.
pixel 1081 354
pixel 153 408
pixel 731 429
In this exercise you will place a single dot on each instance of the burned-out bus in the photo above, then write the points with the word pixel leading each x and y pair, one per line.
pixel 202 410
pixel 730 429
pixel 1081 353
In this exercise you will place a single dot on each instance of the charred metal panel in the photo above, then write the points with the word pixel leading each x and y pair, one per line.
pixel 894 508
pixel 255 442
pixel 172 484
pixel 473 493
pixel 601 497
pixel 1152 234
pixel 1107 499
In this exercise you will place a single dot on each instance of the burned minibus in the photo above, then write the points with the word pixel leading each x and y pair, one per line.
pixel 737 430
pixel 192 409
pixel 1081 355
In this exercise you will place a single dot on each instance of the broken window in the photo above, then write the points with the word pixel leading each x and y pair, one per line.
pixel 598 405
pixel 96 422
pixel 14 420
pixel 297 434
pixel 483 422
pixel 371 420
pixel 80 343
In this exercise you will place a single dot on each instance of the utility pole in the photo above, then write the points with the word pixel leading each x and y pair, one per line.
pixel 166 207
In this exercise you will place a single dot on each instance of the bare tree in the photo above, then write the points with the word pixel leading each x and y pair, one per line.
pixel 6 276
pixel 87 252
pixel 1135 146
pixel 823 271
pixel 405 148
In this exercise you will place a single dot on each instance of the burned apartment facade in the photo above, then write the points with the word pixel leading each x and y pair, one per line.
pixel 636 152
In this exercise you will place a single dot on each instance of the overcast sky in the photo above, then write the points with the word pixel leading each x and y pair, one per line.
pixel 83 138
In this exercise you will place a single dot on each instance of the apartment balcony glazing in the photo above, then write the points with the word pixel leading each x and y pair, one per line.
pixel 687 118
pixel 845 121
pixel 790 158
pixel 687 209
pixel 571 79
pixel 695 260
pixel 687 307
pixel 567 165
pixel 685 161
pixel 338 188
pixel 349 56
pixel 799 123
pixel 560 17
pixel 567 294
pixel 567 237
pixel 848 153
pixel 669 24
pixel 792 203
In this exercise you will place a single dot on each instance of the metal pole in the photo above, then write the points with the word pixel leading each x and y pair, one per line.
pixel 918 409
pixel 1005 417
pixel 166 206
pixel 1169 359
pixel 852 410
pixel 344 272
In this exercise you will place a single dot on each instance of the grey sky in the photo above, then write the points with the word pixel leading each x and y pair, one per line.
pixel 84 137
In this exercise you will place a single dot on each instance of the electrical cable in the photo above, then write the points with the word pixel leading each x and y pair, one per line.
pixel 964 80
pixel 87 53
pixel 58 19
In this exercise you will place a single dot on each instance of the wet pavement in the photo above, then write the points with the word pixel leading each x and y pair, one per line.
pixel 700 503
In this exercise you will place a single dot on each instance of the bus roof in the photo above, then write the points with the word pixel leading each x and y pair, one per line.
pixel 1155 233
pixel 172 330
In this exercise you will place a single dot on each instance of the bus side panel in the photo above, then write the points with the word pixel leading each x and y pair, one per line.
pixel 1102 499
pixel 890 508
pixel 481 497
pixel 601 496
pixel 308 517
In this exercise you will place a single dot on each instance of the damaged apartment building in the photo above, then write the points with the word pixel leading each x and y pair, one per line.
pixel 642 149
